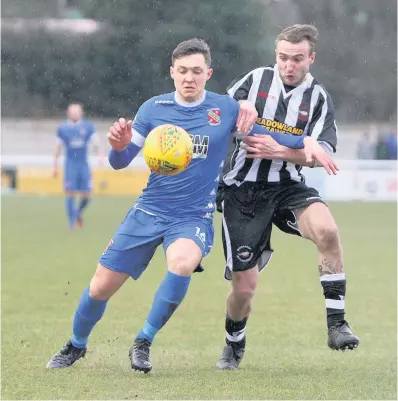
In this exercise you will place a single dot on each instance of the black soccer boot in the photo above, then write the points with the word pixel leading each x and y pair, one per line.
pixel 68 355
pixel 139 355
pixel 340 337
pixel 232 355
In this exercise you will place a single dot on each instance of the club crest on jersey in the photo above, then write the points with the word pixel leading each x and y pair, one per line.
pixel 214 116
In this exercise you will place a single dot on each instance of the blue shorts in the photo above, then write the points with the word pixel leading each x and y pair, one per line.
pixel 135 242
pixel 77 178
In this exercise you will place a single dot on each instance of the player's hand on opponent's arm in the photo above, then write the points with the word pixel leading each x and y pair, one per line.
pixel 120 134
pixel 247 116
pixel 314 153
pixel 55 172
pixel 265 147
pixel 262 146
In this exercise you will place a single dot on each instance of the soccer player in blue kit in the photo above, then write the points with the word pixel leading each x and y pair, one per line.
pixel 175 211
pixel 75 135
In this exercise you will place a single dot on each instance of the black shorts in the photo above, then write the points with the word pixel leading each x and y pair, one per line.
pixel 248 214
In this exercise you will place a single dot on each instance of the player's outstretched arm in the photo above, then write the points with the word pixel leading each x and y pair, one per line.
pixel 290 141
pixel 123 150
pixel 312 155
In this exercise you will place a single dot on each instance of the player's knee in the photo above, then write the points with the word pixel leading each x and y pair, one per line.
pixel 183 257
pixel 244 284
pixel 181 265
pixel 100 289
pixel 327 235
pixel 105 283
pixel 243 295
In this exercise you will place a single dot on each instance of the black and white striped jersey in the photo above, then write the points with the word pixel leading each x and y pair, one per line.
pixel 303 110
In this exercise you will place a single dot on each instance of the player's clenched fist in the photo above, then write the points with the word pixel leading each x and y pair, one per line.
pixel 120 134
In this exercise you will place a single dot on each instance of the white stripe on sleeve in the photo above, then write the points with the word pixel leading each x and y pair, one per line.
pixel 138 139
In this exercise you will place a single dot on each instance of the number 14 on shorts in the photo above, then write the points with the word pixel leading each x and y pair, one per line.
pixel 201 236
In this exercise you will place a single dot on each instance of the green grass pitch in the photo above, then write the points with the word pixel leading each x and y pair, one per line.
pixel 45 268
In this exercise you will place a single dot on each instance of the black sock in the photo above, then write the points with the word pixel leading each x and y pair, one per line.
pixel 235 331
pixel 83 204
pixel 334 286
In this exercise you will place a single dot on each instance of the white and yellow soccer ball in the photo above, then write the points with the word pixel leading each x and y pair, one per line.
pixel 168 149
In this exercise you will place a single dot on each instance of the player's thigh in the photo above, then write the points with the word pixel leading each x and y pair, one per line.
pixel 70 179
pixel 84 180
pixel 246 232
pixel 133 245
pixel 316 223
pixel 292 199
pixel 186 243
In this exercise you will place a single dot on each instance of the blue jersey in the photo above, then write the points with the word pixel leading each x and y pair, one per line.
pixel 209 123
pixel 76 137
pixel 180 206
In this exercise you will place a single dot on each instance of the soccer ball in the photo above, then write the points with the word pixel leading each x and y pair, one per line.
pixel 168 149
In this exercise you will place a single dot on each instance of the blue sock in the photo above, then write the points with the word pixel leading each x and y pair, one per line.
pixel 83 203
pixel 70 210
pixel 168 296
pixel 88 313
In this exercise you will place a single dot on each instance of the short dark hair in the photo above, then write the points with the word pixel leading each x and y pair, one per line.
pixel 192 46
pixel 297 33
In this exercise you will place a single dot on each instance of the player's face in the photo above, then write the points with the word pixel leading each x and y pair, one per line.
pixel 190 74
pixel 75 112
pixel 294 61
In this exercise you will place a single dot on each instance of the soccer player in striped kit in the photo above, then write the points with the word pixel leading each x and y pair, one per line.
pixel 262 185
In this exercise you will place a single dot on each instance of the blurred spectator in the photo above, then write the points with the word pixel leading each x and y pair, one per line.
pixel 381 147
pixel 391 143
pixel 365 148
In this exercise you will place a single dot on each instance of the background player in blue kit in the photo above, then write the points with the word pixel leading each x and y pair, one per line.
pixel 75 135
pixel 175 211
